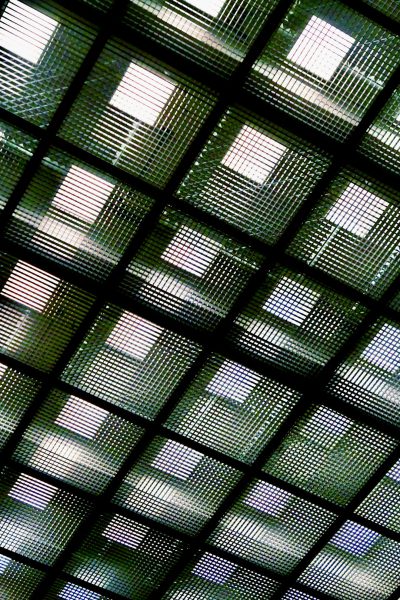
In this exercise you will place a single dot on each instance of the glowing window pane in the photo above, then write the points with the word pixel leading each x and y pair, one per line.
pixel 75 592
pixel 394 472
pixel 233 381
pixel 134 336
pixel 213 568
pixel 383 349
pixel 30 286
pixel 61 231
pixel 253 154
pixel 354 539
pixel 4 562
pixel 142 94
pixel 268 499
pixel 291 301
pixel 3 369
pixel 25 31
pixel 32 491
pixel 177 460
pixel 81 417
pixel 124 531
pixel 321 48
pixel 191 251
pixel 211 7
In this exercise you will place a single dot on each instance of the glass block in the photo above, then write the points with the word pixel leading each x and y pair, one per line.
pixel 137 114
pixel 271 527
pixel 295 323
pixel 325 64
pixel 252 174
pixel 17 581
pixel 36 518
pixel 66 590
pixel 39 313
pixel 130 361
pixel 329 454
pixel 17 391
pixel 189 271
pixel 16 148
pixel 175 485
pixel 232 409
pixel 125 557
pixel 353 234
pixel 380 505
pixel 77 442
pixel 216 34
pixel 41 49
pixel 209 576
pixel 369 378
pixel 77 216
pixel 357 563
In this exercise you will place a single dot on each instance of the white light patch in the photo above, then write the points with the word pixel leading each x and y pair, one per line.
pixel 355 539
pixel 268 499
pixel 211 7
pixel 191 251
pixel 233 381
pixel 253 154
pixel 383 350
pixel 3 369
pixel 134 336
pixel 124 531
pixel 25 31
pixel 71 591
pixel 326 427
pixel 177 460
pixel 4 562
pixel 320 48
pixel 357 210
pixel 142 94
pixel 394 472
pixel 213 568
pixel 32 491
pixel 30 286
pixel 60 231
pixel 81 417
pixel 291 301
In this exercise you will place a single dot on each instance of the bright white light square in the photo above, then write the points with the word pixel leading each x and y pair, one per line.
pixel 268 499
pixel 71 591
pixel 320 48
pixel 326 427
pixel 253 154
pixel 142 94
pixel 32 491
pixel 4 562
pixel 177 460
pixel 134 336
pixel 357 210
pixel 211 7
pixel 25 31
pixel 30 286
pixel 126 532
pixel 291 301
pixel 354 539
pixel 3 369
pixel 214 568
pixel 383 350
pixel 191 251
pixel 233 381
pixel 60 231
pixel 81 417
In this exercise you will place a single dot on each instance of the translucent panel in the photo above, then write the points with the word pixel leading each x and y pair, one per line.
pixel 253 175
pixel 380 506
pixel 295 323
pixel 73 440
pixel 30 286
pixel 33 42
pixel 353 234
pixel 325 65
pixel 175 484
pixel 17 581
pixel 137 114
pixel 130 361
pixel 232 409
pixel 329 454
pixel 275 531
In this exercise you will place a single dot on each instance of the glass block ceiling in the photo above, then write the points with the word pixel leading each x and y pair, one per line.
pixel 199 300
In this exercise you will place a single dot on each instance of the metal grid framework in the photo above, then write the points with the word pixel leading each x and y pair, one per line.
pixel 199 306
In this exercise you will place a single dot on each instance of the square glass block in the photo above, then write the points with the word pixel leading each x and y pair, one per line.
pixel 130 361
pixel 77 216
pixel 17 391
pixel 216 34
pixel 253 175
pixel 232 409
pixel 354 234
pixel 295 323
pixel 325 66
pixel 381 505
pixel 189 271
pixel 328 454
pixel 369 377
pixel 271 527
pixel 137 114
pixel 17 580
pixel 176 485
pixel 16 148
pixel 77 442
pixel 124 556
pixel 210 577
pixel 36 518
pixel 357 563
pixel 41 49
pixel 39 313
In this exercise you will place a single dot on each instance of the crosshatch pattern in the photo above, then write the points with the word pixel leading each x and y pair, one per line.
pixel 199 300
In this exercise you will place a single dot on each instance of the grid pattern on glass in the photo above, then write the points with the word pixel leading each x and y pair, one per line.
pixel 381 503
pixel 30 286
pixel 252 174
pixel 388 7
pixel 134 336
pixel 72 591
pixel 291 301
pixel 81 417
pixel 232 409
pixel 191 251
pixel 329 454
pixel 32 491
pixel 17 580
